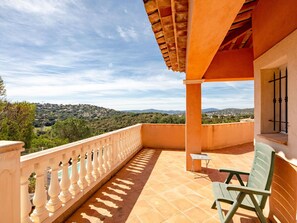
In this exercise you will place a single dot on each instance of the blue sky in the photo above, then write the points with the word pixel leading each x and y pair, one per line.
pixel 94 52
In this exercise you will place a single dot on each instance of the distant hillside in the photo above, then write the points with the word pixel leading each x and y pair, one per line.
pixel 232 111
pixel 205 110
pixel 47 114
pixel 170 112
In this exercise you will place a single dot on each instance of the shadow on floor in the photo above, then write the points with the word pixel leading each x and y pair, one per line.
pixel 234 150
pixel 214 175
pixel 116 199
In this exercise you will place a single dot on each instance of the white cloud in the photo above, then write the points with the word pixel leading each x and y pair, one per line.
pixel 128 34
pixel 43 7
pixel 70 51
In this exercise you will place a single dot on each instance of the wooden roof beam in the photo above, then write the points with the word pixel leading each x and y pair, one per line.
pixel 237 33
pixel 248 6
pixel 243 16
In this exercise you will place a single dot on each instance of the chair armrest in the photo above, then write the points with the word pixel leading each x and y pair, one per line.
pixel 248 190
pixel 234 171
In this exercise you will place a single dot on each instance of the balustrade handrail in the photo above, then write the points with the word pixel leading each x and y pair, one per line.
pixel 52 152
pixel 99 157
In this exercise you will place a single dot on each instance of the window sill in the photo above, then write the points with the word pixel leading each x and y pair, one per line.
pixel 280 138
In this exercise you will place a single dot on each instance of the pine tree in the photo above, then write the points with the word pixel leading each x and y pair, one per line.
pixel 2 90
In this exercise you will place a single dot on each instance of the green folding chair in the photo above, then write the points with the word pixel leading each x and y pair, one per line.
pixel 254 194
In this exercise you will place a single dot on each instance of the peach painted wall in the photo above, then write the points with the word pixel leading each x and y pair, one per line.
pixel 273 20
pixel 283 199
pixel 167 136
pixel 216 136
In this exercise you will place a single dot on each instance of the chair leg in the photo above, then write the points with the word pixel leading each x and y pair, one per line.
pixel 214 205
pixel 229 178
pixel 259 211
pixel 234 207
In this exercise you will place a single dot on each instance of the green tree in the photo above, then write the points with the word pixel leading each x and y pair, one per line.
pixel 2 90
pixel 71 129
pixel 45 142
pixel 16 121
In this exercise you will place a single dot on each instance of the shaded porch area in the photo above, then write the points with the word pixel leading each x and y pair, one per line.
pixel 154 187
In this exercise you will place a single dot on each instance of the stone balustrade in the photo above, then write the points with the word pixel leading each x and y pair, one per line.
pixel 67 175
pixel 82 165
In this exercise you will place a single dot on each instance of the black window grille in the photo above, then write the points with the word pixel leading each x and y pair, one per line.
pixel 281 124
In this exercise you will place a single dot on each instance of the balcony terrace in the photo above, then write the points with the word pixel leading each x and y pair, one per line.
pixel 154 187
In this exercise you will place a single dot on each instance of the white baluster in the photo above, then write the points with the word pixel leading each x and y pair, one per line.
pixel 104 152
pixel 26 206
pixel 121 148
pixel 100 154
pixel 54 202
pixel 39 200
pixel 129 142
pixel 89 177
pixel 111 152
pixel 125 145
pixel 108 154
pixel 65 195
pixel 139 141
pixel 115 150
pixel 74 188
pixel 95 172
pixel 132 141
pixel 118 147
pixel 82 182
pixel 133 148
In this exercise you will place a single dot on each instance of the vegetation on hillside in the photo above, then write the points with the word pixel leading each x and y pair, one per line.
pixel 16 119
pixel 55 125
pixel 48 114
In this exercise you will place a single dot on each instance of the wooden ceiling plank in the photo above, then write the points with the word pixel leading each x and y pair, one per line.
pixel 248 6
pixel 238 25
pixel 243 16
pixel 238 42
pixel 167 23
pixel 245 39
pixel 232 44
pixel 249 42
pixel 236 33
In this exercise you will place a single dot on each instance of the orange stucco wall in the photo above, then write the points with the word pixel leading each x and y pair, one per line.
pixel 229 134
pixel 216 136
pixel 272 21
pixel 231 65
pixel 208 24
pixel 167 136
pixel 283 200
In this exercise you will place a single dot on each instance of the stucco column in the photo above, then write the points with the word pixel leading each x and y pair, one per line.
pixel 10 181
pixel 193 122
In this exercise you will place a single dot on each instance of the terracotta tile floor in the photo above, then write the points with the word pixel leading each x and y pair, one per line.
pixel 154 187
